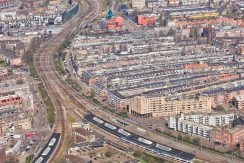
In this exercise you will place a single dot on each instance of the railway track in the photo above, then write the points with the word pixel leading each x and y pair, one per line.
pixel 56 88
pixel 59 91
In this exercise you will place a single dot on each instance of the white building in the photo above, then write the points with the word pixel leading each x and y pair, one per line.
pixel 193 2
pixel 199 124
pixel 139 4
pixel 172 122
pixel 153 4
pixel 210 120
pixel 193 128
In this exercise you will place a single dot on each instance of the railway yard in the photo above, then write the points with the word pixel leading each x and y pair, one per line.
pixel 100 81
pixel 66 100
pixel 52 81
pixel 135 140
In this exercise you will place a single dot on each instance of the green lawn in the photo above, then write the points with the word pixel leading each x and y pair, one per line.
pixel 50 112
pixel 3 64
pixel 147 158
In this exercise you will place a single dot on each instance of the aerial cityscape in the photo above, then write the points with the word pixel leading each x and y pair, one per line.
pixel 121 81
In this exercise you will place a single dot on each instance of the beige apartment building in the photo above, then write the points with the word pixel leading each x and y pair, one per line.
pixel 139 4
pixel 143 106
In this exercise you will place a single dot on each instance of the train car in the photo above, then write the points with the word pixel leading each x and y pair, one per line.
pixel 129 142
pixel 46 151
pixel 145 141
pixel 52 142
pixel 110 126
pixel 97 120
pixel 159 146
pixel 122 131
pixel 39 160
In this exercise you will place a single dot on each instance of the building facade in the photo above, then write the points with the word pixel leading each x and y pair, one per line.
pixel 239 101
pixel 193 128
pixel 193 2
pixel 201 125
pixel 211 120
pixel 147 19
pixel 220 120
pixel 143 106
pixel 139 4
pixel 6 3
pixel 154 4
pixel 114 23
pixel 228 137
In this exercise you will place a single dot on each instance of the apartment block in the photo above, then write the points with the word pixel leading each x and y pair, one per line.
pixel 193 2
pixel 194 128
pixel 192 12
pixel 6 3
pixel 200 124
pixel 229 137
pixel 147 19
pixel 153 4
pixel 238 101
pixel 114 23
pixel 213 120
pixel 173 2
pixel 153 106
pixel 219 120
pixel 122 67
pixel 117 100
pixel 139 4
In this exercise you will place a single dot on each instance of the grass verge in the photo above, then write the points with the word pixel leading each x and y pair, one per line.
pixel 50 111
pixel 28 59
pixel 70 118
pixel 84 5
pixel 147 158
pixel 3 63
pixel 74 85
pixel 59 64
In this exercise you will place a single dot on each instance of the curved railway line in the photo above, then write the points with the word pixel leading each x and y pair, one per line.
pixel 59 91
pixel 56 88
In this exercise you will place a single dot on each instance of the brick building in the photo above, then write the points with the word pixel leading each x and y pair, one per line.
pixel 114 23
pixel 228 137
pixel 147 19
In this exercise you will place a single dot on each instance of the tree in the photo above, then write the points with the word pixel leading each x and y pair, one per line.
pixel 196 141
pixel 218 108
pixel 179 137
pixel 187 138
